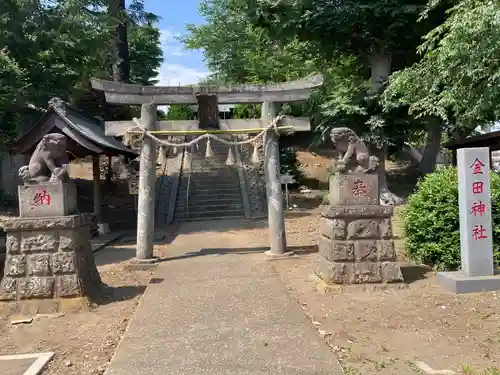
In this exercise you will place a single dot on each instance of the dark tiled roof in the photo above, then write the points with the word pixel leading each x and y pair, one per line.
pixel 85 130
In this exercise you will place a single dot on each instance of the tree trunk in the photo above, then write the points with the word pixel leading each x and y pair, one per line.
pixel 380 70
pixel 380 64
pixel 432 146
pixel 121 61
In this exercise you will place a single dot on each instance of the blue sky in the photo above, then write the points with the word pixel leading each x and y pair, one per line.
pixel 180 67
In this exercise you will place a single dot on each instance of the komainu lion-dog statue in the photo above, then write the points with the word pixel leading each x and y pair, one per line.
pixel 46 163
pixel 355 156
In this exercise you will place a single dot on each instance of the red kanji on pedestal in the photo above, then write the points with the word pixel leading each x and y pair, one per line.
pixel 359 189
pixel 478 167
pixel 41 197
pixel 479 232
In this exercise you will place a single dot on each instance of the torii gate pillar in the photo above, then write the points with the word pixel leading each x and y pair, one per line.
pixel 275 206
pixel 147 181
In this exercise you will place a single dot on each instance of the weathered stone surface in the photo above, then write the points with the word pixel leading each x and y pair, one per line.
pixel 38 241
pixel 385 228
pixel 36 287
pixel 47 200
pixel 8 289
pixel 367 272
pixel 63 263
pixel 387 250
pixel 68 286
pixel 39 265
pixel 12 243
pixel 69 240
pixel 366 250
pixel 363 228
pixel 354 189
pixel 15 265
pixel 57 222
pixel 332 228
pixel 391 272
pixel 334 272
pixel 355 212
pixel 335 250
pixel 48 261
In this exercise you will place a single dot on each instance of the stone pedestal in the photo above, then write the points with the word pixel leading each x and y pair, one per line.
pixel 43 200
pixel 49 258
pixel 356 242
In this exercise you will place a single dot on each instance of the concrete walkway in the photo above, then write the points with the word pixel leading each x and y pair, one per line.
pixel 213 309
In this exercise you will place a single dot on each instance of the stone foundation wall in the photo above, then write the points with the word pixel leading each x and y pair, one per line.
pixel 254 179
pixel 48 257
pixel 356 245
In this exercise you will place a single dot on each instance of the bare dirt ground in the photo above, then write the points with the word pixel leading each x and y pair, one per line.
pixel 382 332
pixel 387 332
pixel 83 342
pixel 372 332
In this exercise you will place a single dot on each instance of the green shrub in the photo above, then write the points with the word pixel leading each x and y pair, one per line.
pixel 431 220
pixel 289 163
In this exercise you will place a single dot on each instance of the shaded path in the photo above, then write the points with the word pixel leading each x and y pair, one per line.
pixel 219 312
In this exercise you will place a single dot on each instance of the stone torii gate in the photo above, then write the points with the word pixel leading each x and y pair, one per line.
pixel 207 98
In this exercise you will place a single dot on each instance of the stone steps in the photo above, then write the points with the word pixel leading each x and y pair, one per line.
pixel 209 215
pixel 213 206
pixel 207 199
pixel 214 187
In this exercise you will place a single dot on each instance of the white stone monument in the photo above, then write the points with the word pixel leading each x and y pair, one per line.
pixel 476 239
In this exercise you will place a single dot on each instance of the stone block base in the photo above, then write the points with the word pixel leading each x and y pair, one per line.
pixel 331 289
pixel 48 257
pixel 457 282
pixel 354 189
pixel 32 307
pixel 103 228
pixel 43 200
pixel 356 246
pixel 358 272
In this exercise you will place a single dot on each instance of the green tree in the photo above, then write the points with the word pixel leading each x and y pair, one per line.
pixel 180 112
pixel 12 88
pixel 372 37
pixel 146 55
pixel 237 52
pixel 52 49
pixel 458 78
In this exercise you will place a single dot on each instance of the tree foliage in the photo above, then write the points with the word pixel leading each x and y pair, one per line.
pixel 52 48
pixel 180 112
pixel 237 52
pixel 358 27
pixel 458 77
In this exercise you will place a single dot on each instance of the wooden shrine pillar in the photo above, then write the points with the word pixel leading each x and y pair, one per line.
pixel 146 198
pixel 208 111
pixel 103 228
pixel 275 204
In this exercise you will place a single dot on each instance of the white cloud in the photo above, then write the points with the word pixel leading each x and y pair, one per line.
pixel 168 36
pixel 175 74
pixel 170 44
pixel 179 75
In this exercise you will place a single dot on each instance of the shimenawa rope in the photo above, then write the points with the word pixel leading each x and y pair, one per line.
pixel 272 125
